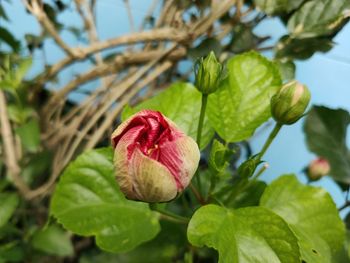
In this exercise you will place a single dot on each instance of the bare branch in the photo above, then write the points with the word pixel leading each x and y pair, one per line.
pixel 35 8
pixel 9 148
pixel 111 116
pixel 160 34
pixel 106 69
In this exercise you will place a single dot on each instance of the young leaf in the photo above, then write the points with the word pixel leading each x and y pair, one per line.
pixel 53 240
pixel 312 215
pixel 242 103
pixel 88 202
pixel 181 103
pixel 319 18
pixel 252 234
pixel 326 136
pixel 22 69
pixel 218 158
pixel 248 167
pixel 8 204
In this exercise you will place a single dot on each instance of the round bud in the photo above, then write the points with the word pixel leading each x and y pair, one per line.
pixel 154 160
pixel 317 169
pixel 289 103
pixel 208 73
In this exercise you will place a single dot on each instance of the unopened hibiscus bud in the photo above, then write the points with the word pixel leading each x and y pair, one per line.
pixel 208 73
pixel 288 105
pixel 154 160
pixel 317 169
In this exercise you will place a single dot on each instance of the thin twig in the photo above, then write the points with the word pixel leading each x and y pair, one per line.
pixel 112 115
pixel 9 148
pixel 106 69
pixel 35 8
pixel 161 34
pixel 130 17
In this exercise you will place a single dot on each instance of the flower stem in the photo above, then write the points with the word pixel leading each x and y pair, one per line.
pixel 167 215
pixel 196 193
pixel 201 118
pixel 199 136
pixel 269 140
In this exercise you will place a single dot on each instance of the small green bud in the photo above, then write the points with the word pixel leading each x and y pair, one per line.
pixel 247 168
pixel 288 105
pixel 208 73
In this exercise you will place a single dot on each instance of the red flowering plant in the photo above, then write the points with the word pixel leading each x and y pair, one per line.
pixel 153 175
pixel 150 143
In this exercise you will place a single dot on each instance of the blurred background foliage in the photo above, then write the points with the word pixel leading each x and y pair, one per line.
pixel 69 100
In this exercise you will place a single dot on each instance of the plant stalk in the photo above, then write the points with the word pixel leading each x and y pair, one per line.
pixel 269 140
pixel 167 215
pixel 201 118
pixel 199 136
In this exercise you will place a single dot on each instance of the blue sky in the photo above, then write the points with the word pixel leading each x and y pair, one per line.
pixel 327 76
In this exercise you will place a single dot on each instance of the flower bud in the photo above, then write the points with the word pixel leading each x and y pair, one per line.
pixel 288 105
pixel 154 160
pixel 317 169
pixel 208 73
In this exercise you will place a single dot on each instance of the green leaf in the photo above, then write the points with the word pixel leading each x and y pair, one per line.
pixel 14 75
pixel 53 240
pixel 37 165
pixel 294 48
pixel 319 18
pixel 287 69
pixel 12 252
pixel 250 196
pixel 3 13
pixel 312 215
pixel 242 103
pixel 326 136
pixel 34 41
pixel 252 234
pixel 9 39
pixel 88 202
pixel 243 38
pixel 169 244
pixel 22 69
pixel 181 103
pixel 204 48
pixel 52 13
pixel 343 256
pixel 30 135
pixel 10 230
pixel 248 167
pixel 273 7
pixel 8 205
pixel 19 114
pixel 219 157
